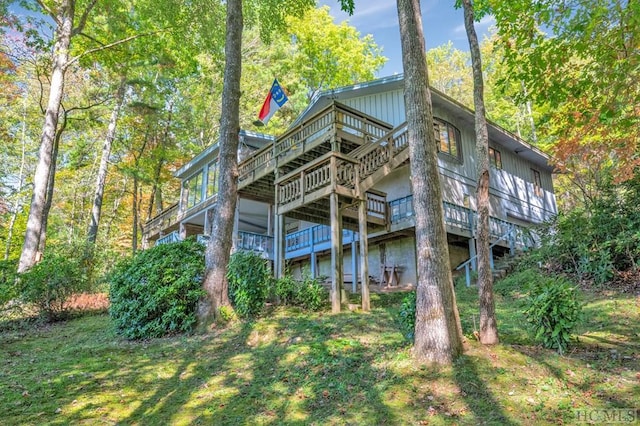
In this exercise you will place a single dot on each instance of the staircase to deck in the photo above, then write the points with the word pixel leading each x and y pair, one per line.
pixel 337 128
pixel 303 193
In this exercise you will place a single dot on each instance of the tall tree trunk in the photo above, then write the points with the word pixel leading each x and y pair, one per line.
pixel 134 230
pixel 219 246
pixel 488 323
pixel 101 179
pixel 50 185
pixel 63 35
pixel 438 334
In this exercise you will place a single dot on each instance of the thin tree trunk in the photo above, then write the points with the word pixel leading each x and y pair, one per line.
pixel 101 179
pixel 134 231
pixel 488 323
pixel 18 204
pixel 219 246
pixel 438 334
pixel 66 11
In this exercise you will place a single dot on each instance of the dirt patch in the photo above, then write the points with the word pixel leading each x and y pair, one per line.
pixel 88 302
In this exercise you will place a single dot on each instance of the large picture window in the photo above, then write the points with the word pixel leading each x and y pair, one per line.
pixel 192 190
pixel 447 138
pixel 212 179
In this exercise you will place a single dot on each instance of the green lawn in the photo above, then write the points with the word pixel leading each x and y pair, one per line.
pixel 291 367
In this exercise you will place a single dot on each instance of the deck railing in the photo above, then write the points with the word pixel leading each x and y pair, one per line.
pixel 375 155
pixel 465 219
pixel 331 170
pixel 255 242
pixel 162 221
pixel 173 237
pixel 312 236
pixel 323 125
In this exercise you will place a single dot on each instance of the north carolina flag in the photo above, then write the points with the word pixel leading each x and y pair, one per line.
pixel 275 99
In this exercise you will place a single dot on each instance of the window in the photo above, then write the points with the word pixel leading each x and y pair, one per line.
pixel 192 190
pixel 537 183
pixel 447 138
pixel 212 179
pixel 494 158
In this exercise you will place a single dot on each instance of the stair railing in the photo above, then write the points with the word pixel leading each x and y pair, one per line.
pixel 512 238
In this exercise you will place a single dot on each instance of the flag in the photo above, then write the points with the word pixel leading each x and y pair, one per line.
pixel 275 99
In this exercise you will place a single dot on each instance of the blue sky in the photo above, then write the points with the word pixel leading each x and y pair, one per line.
pixel 441 22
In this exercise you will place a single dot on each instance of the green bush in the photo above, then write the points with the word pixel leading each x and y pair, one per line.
pixel 553 311
pixel 249 278
pixel 595 241
pixel 50 283
pixel 8 289
pixel 308 293
pixel 285 290
pixel 156 292
pixel 407 315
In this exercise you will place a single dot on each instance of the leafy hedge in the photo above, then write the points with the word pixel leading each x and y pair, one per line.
pixel 250 279
pixel 156 292
pixel 49 284
pixel 307 293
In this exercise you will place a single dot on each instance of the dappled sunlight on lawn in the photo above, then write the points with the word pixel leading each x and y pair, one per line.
pixel 296 367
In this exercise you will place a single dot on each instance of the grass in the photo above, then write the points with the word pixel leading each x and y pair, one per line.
pixel 294 367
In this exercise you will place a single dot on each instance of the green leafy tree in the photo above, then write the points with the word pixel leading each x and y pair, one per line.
pixel 581 59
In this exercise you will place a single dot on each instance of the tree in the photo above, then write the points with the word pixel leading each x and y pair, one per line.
pixel 219 246
pixel 438 333
pixel 580 58
pixel 488 323
pixel 63 15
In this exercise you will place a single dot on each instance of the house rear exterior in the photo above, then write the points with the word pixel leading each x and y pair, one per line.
pixel 332 195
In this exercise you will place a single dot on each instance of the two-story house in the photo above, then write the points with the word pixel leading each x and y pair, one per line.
pixel 333 193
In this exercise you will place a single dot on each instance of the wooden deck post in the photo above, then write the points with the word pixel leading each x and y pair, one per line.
pixel 313 260
pixel 336 252
pixel 354 262
pixel 364 254
pixel 278 246
pixel 472 253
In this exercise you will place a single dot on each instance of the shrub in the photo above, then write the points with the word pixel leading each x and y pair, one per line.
pixel 308 293
pixel 249 282
pixel 8 290
pixel 156 292
pixel 51 282
pixel 553 311
pixel 285 289
pixel 408 315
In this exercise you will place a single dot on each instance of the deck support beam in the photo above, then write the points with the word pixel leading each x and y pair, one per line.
pixel 354 263
pixel 336 253
pixel 364 255
pixel 278 246
pixel 314 259
pixel 472 253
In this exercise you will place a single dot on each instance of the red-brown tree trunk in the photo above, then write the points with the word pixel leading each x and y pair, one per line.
pixel 219 246
pixel 438 334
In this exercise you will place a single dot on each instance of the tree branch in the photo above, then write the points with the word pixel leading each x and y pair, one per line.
pixel 108 46
pixel 91 38
pixel 83 19
pixel 49 12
